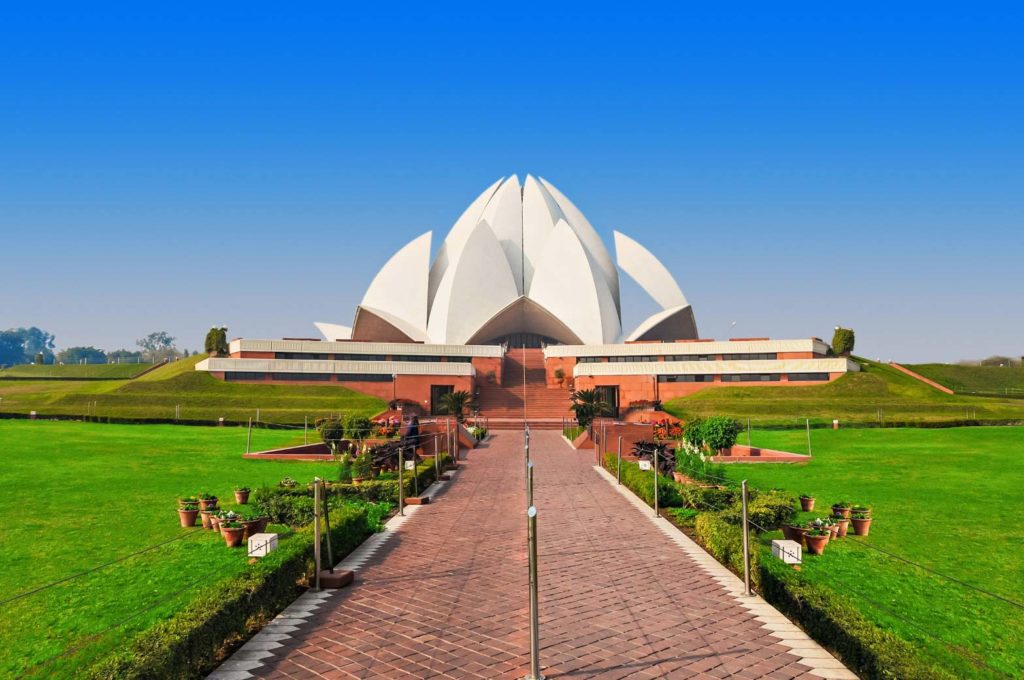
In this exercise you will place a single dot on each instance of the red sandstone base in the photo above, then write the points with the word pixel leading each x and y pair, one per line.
pixel 417 500
pixel 339 579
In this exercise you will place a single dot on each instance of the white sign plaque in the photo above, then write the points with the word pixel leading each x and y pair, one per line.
pixel 645 465
pixel 410 465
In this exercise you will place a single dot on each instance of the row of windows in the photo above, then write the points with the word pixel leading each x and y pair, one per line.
pixel 746 377
pixel 324 377
pixel 679 357
pixel 370 357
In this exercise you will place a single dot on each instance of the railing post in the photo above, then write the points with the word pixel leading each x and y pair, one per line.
pixel 248 436
pixel 746 544
pixel 316 532
pixel 437 457
pixel 618 468
pixel 305 429
pixel 531 525
pixel 401 480
pixel 656 508
pixel 809 437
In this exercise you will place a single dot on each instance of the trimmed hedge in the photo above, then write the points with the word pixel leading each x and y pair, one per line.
pixel 823 612
pixel 186 645
pixel 642 483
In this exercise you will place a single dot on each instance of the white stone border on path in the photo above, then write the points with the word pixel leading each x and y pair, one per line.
pixel 810 653
pixel 260 649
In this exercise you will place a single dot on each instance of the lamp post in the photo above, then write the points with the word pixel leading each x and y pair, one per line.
pixel 394 387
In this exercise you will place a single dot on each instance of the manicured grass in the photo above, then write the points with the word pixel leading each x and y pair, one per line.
pixel 984 380
pixel 76 371
pixel 878 393
pixel 945 499
pixel 77 495
pixel 199 396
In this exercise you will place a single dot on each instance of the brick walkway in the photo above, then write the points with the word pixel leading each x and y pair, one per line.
pixel 447 596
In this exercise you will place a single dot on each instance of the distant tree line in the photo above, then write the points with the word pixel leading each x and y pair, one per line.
pixel 36 346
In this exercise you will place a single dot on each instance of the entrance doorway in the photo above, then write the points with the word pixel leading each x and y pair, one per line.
pixel 437 392
pixel 609 395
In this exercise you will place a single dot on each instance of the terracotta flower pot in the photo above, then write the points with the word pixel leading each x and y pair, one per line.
pixel 861 527
pixel 232 535
pixel 841 512
pixel 261 525
pixel 356 481
pixel 207 516
pixel 834 528
pixel 187 517
pixel 806 504
pixel 242 497
pixel 214 522
pixel 678 476
pixel 249 527
pixel 208 504
pixel 794 533
pixel 844 525
pixel 816 544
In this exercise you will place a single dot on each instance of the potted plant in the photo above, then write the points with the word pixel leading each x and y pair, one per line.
pixel 861 523
pixel 242 495
pixel 793 532
pixel 841 509
pixel 188 500
pixel 842 524
pixel 207 517
pixel 362 468
pixel 806 502
pixel 250 525
pixel 817 539
pixel 222 516
pixel 232 533
pixel 207 501
pixel 187 514
pixel 860 510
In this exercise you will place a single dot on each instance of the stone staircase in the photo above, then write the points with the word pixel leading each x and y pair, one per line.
pixel 502 405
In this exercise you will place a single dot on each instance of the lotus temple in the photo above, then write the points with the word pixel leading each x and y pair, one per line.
pixel 519 305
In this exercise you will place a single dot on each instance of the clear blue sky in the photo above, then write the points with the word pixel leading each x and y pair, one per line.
pixel 795 166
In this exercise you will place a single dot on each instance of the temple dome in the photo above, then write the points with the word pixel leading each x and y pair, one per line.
pixel 521 262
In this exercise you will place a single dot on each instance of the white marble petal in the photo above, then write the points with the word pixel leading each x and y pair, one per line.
pixel 333 331
pixel 569 283
pixel 400 287
pixel 504 214
pixel 475 288
pixel 649 272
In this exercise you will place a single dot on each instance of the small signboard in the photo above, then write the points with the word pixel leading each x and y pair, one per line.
pixel 410 465
pixel 645 465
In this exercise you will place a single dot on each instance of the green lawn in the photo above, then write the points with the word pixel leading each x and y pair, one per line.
pixel 76 371
pixel 942 498
pixel 77 495
pixel 198 396
pixel 984 380
pixel 878 393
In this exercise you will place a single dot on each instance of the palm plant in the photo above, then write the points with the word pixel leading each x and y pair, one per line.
pixel 455 403
pixel 587 405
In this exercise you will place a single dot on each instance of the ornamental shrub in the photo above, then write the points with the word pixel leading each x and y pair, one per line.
pixel 358 427
pixel 216 342
pixel 642 483
pixel 693 434
pixel 842 341
pixel 725 541
pixel 720 432
pixel 708 497
pixel 332 431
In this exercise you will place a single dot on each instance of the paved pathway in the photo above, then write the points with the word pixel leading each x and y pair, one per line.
pixel 446 595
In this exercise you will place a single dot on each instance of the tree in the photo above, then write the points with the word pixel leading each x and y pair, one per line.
pixel 21 345
pixel 78 355
pixel 124 356
pixel 720 432
pixel 332 432
pixel 587 405
pixel 842 341
pixel 358 427
pixel 216 343
pixel 455 403
pixel 157 346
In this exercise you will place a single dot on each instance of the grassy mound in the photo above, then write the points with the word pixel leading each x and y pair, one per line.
pixel 76 371
pixel 1005 381
pixel 876 394
pixel 197 396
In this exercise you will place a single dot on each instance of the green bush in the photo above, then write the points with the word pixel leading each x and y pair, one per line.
pixel 642 483
pixel 766 510
pixel 682 516
pixel 843 340
pixel 185 645
pixel 720 432
pixel 708 497
pixel 724 541
pixel 358 427
pixel 693 433
pixel 837 622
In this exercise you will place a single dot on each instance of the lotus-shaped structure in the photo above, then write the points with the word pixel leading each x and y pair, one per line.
pixel 521 265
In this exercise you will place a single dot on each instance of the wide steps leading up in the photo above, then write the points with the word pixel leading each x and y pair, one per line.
pixel 524 382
